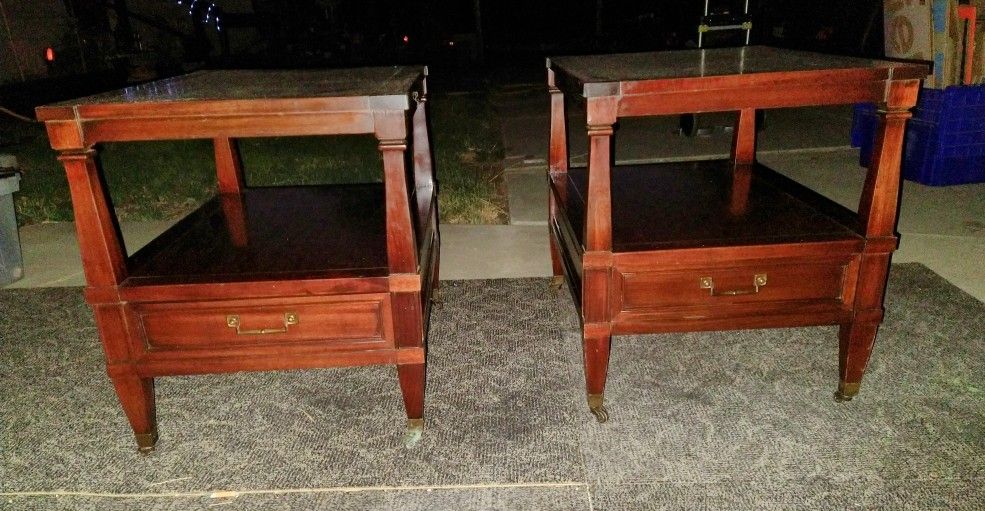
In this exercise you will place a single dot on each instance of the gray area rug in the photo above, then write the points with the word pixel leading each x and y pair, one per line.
pixel 719 420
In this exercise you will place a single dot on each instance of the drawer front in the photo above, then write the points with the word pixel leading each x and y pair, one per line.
pixel 725 285
pixel 346 320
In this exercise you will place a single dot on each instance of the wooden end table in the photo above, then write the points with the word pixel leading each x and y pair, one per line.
pixel 721 244
pixel 260 279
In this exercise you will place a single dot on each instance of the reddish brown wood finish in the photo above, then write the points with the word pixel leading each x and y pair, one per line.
pixel 557 158
pixel 229 168
pixel 204 300
pixel 763 252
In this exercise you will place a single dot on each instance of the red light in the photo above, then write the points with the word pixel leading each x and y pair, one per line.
pixel 49 54
pixel 406 39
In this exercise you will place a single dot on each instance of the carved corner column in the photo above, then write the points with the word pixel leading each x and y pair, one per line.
pixel 558 152
pixel 100 241
pixel 105 266
pixel 878 207
pixel 557 163
pixel 597 260
pixel 405 282
pixel 391 131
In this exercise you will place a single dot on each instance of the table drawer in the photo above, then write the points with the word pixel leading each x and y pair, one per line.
pixel 723 285
pixel 360 319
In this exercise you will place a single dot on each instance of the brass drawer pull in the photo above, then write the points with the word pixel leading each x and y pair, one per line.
pixel 758 281
pixel 290 318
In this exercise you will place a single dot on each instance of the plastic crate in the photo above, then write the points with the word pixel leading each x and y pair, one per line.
pixel 863 126
pixel 945 140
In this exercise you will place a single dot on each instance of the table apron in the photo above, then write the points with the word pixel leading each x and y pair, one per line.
pixel 766 96
pixel 158 128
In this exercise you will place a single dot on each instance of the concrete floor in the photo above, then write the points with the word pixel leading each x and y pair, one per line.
pixel 942 228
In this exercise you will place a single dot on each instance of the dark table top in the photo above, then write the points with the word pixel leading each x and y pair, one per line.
pixel 263 84
pixel 746 60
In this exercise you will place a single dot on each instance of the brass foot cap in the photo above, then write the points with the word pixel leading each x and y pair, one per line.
pixel 597 408
pixel 600 413
pixel 146 442
pixel 436 300
pixel 415 428
pixel 557 282
pixel 846 391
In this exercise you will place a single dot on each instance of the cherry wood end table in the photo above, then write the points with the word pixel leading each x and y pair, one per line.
pixel 261 279
pixel 721 244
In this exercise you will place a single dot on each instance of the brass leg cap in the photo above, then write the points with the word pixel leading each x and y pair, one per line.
pixel 846 391
pixel 436 300
pixel 557 282
pixel 146 442
pixel 597 408
pixel 415 428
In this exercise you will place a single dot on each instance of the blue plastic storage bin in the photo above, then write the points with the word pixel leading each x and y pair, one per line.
pixel 945 139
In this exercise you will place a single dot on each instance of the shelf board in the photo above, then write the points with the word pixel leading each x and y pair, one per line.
pixel 271 233
pixel 687 205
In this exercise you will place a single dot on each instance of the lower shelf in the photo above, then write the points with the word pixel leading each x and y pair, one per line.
pixel 698 204
pixel 272 233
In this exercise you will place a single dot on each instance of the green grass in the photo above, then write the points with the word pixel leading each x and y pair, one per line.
pixel 165 180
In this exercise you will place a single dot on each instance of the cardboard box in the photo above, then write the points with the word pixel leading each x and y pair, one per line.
pixel 907 26
pixel 978 73
pixel 978 63
pixel 908 29
pixel 948 43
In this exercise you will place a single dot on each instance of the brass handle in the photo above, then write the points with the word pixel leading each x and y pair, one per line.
pixel 232 321
pixel 758 281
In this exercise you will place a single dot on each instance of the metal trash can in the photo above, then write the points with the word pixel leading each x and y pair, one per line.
pixel 11 265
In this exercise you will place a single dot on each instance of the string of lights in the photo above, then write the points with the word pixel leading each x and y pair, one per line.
pixel 203 12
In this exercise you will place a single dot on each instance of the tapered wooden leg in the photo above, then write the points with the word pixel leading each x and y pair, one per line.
pixel 136 395
pixel 412 386
pixel 854 350
pixel 596 348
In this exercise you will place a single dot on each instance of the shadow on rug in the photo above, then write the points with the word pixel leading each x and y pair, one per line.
pixel 718 420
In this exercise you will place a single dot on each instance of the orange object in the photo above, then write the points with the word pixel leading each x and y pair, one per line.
pixel 49 54
pixel 967 13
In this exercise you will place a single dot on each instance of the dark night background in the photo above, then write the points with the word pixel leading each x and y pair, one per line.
pixel 467 43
